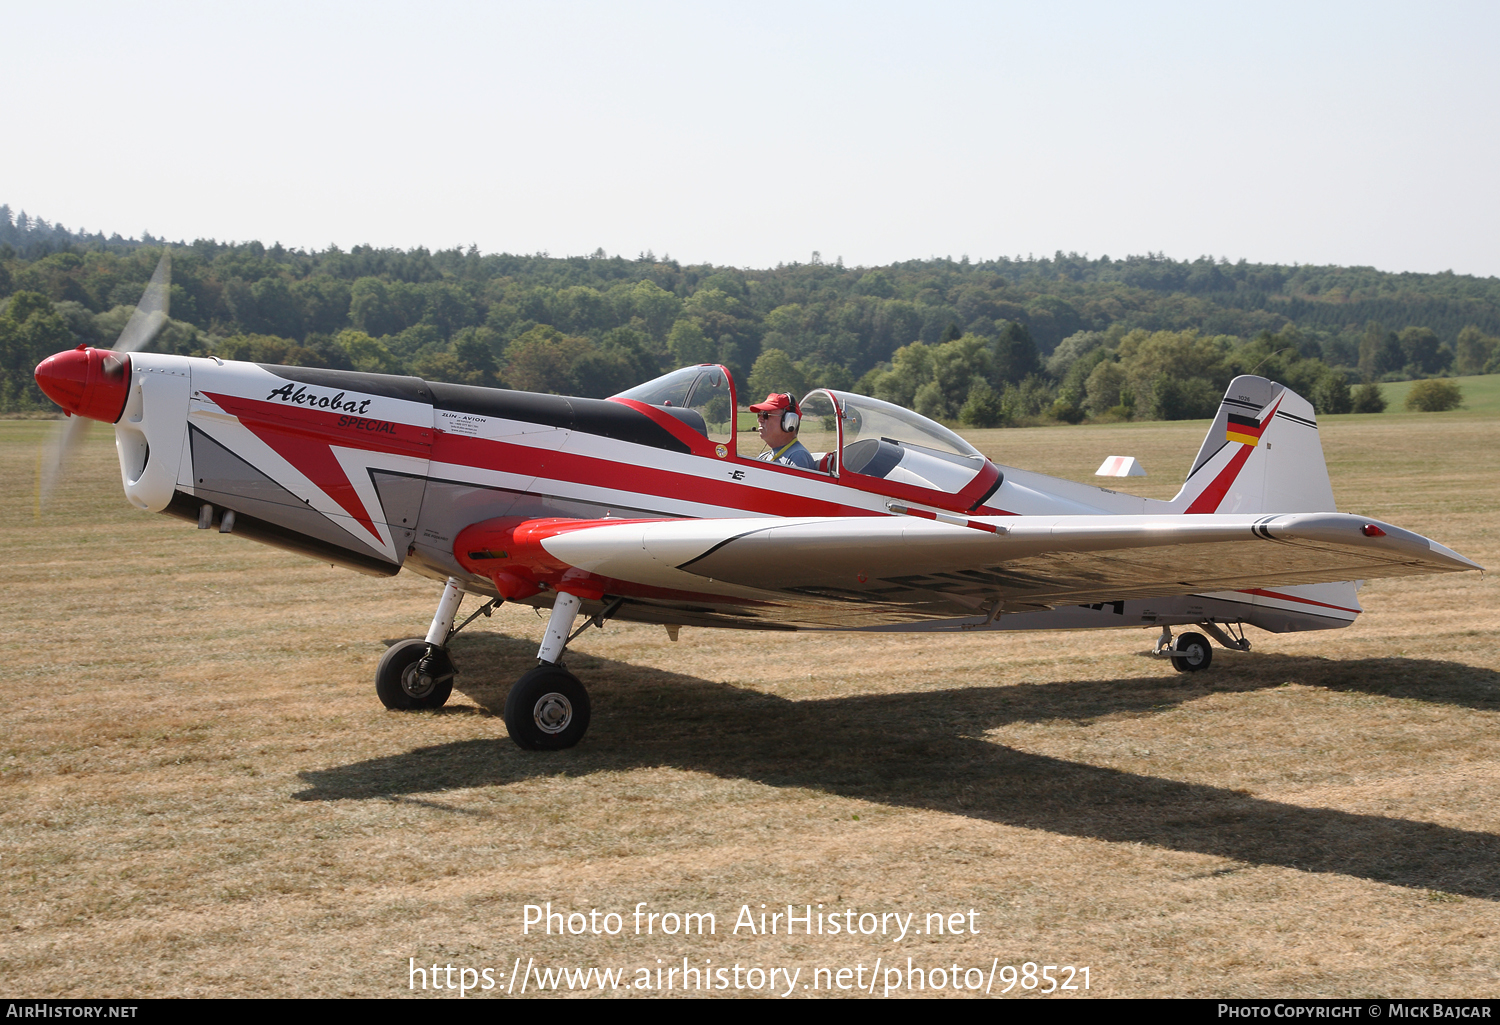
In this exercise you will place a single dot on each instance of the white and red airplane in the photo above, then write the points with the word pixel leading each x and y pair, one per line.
pixel 650 506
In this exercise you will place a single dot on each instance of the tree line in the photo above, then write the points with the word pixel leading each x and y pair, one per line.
pixel 1008 340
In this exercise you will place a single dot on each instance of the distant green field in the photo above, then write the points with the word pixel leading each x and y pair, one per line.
pixel 1481 394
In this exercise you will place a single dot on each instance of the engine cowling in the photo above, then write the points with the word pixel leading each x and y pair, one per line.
pixel 88 382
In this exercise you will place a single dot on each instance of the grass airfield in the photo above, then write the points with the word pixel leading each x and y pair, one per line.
pixel 201 796
pixel 1480 394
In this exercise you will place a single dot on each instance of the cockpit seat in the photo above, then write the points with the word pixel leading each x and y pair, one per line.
pixel 873 457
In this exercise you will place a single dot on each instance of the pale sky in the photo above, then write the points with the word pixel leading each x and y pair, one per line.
pixel 751 134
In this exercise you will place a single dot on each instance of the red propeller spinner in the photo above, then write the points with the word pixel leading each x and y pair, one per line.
pixel 88 382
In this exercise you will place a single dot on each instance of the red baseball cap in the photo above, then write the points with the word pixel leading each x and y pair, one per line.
pixel 774 401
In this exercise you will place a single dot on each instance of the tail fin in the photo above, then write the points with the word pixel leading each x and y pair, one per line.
pixel 1262 454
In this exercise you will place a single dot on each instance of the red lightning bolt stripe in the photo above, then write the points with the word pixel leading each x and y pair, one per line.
pixel 305 438
pixel 1208 501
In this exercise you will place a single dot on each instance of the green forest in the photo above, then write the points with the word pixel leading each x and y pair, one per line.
pixel 983 343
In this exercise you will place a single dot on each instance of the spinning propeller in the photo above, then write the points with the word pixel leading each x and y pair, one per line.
pixel 93 384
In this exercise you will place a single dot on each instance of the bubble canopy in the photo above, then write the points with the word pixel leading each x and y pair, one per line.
pixel 865 417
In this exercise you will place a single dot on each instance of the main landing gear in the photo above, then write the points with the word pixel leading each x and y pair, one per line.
pixel 547 709
pixel 1191 651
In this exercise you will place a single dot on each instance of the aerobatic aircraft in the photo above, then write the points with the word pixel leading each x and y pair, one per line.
pixel 652 506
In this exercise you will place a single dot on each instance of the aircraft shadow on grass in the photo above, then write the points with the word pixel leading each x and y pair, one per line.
pixel 926 750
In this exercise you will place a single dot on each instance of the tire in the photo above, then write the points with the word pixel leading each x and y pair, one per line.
pixel 400 683
pixel 1196 653
pixel 547 709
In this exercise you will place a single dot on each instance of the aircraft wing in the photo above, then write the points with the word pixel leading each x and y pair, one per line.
pixel 866 571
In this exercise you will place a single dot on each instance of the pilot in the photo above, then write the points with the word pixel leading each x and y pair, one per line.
pixel 779 417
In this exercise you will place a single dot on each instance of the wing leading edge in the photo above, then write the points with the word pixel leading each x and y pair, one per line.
pixel 868 571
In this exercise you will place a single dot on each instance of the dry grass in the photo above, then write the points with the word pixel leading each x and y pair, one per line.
pixel 200 794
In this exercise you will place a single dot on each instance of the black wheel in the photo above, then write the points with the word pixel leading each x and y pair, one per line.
pixel 408 679
pixel 1195 653
pixel 547 709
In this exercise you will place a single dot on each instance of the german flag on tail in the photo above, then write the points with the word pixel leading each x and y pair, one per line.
pixel 1245 429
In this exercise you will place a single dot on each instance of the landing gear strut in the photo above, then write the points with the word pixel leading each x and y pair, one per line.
pixel 548 709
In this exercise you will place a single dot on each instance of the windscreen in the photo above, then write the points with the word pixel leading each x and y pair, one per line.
pixel 704 394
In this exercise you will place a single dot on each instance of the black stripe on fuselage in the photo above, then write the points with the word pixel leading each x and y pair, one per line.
pixel 390 386
pixel 588 416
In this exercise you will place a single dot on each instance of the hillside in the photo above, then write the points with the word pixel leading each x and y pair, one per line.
pixel 989 342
